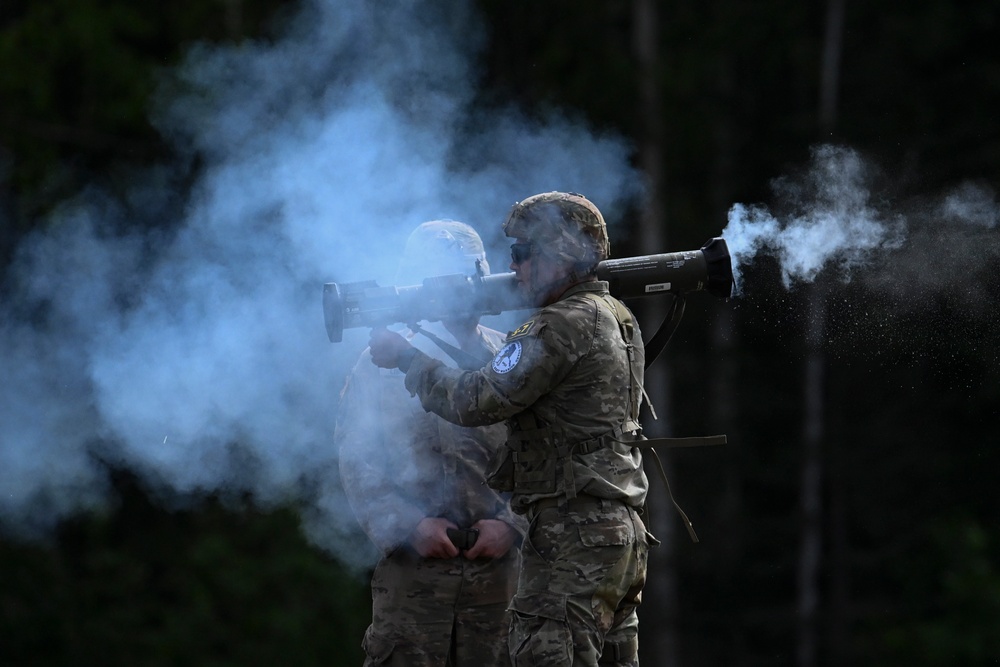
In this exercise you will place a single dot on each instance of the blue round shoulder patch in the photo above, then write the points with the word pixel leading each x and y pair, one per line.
pixel 507 357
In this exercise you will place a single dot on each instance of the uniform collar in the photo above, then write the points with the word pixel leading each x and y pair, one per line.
pixel 598 286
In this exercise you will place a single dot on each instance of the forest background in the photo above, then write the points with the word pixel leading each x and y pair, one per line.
pixel 852 519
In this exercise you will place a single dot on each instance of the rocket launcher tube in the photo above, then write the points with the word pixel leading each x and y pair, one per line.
pixel 366 304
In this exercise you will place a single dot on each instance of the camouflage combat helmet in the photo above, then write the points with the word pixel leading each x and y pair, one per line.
pixel 564 225
pixel 440 247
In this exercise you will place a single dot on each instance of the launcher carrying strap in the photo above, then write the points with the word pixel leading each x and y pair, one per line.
pixel 465 360
pixel 666 330
pixel 650 445
pixel 653 349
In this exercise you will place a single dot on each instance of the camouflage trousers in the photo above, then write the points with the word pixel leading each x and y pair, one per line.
pixel 432 612
pixel 583 566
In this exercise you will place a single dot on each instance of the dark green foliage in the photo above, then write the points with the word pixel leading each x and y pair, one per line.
pixel 75 80
pixel 949 600
pixel 205 586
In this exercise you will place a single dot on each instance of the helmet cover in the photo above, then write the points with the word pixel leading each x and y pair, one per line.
pixel 440 247
pixel 564 225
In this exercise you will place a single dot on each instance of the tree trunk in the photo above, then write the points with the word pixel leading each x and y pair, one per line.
pixel 811 500
pixel 723 371
pixel 813 460
pixel 233 18
pixel 659 612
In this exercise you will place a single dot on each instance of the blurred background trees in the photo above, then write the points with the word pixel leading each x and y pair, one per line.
pixel 727 96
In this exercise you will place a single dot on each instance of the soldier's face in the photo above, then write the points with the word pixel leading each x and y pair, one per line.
pixel 524 261
pixel 537 274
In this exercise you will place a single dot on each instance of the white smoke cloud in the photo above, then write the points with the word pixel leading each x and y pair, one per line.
pixel 833 217
pixel 971 204
pixel 196 355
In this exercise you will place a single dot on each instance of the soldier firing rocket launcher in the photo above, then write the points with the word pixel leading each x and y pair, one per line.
pixel 366 304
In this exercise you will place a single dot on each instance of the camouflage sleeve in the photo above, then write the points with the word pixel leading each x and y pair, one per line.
pixel 526 368
pixel 385 511
pixel 516 521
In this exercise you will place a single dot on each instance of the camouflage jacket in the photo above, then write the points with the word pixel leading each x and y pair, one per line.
pixel 569 386
pixel 399 464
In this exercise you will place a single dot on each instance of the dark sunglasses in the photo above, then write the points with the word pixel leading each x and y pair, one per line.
pixel 520 252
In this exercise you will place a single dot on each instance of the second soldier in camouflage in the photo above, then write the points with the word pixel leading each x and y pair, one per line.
pixel 441 590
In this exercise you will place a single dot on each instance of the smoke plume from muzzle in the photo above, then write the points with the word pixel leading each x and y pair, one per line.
pixel 833 218
pixel 191 351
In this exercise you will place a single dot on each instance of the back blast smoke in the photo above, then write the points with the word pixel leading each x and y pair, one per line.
pixel 182 345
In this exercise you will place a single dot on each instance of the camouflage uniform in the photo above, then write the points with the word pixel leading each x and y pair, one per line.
pixel 400 464
pixel 568 383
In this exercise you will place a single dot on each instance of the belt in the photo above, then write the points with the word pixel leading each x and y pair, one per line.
pixel 576 502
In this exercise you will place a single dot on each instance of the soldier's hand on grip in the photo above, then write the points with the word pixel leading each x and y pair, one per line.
pixel 387 347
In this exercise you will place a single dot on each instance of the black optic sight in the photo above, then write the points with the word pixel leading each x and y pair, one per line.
pixel 366 304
